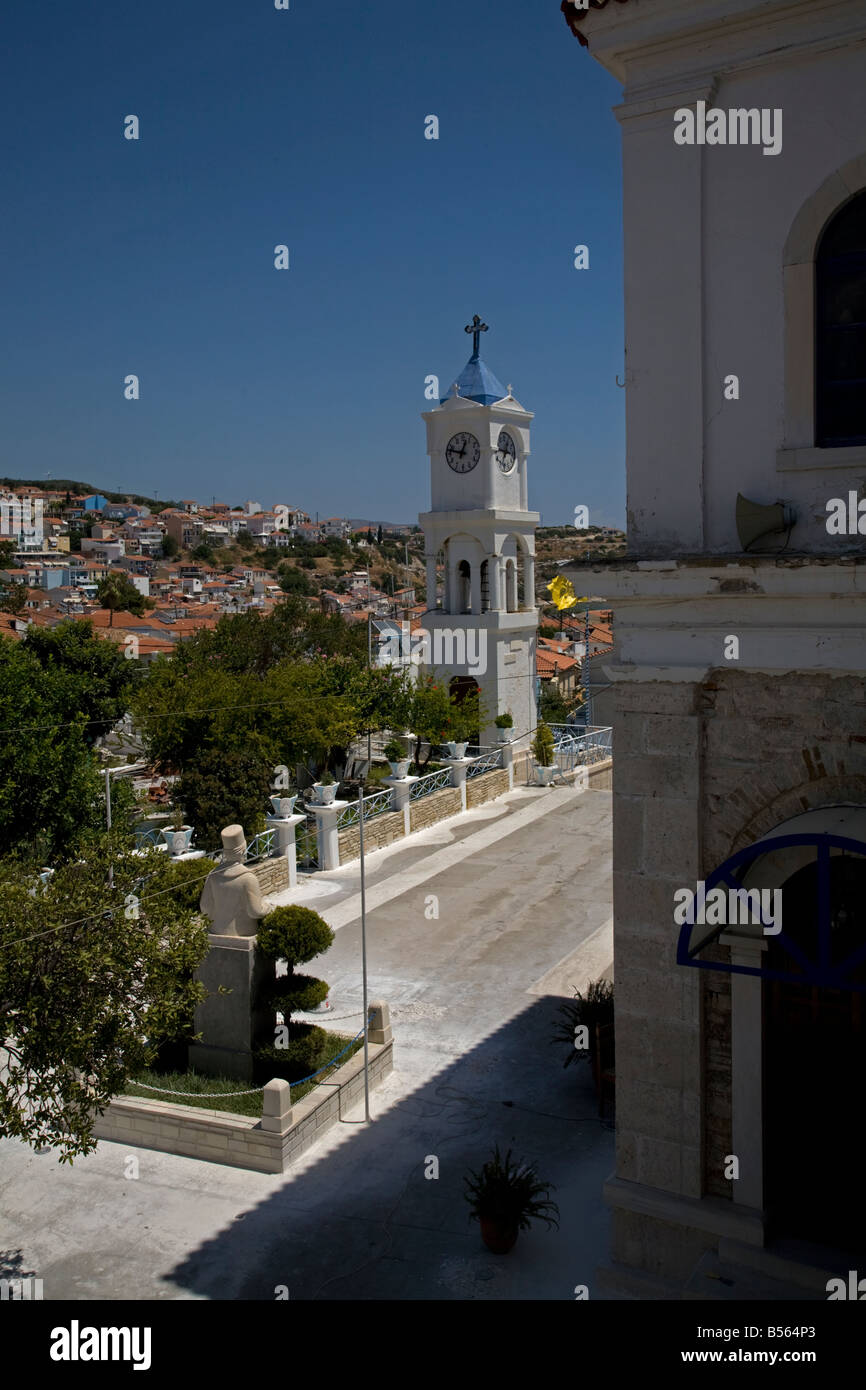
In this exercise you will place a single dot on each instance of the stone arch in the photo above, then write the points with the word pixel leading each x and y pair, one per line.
pixel 802 240
pixel 515 554
pixel 463 556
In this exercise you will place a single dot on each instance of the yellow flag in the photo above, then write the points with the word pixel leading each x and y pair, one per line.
pixel 562 592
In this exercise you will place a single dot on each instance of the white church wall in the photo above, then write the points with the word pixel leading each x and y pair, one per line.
pixel 705 298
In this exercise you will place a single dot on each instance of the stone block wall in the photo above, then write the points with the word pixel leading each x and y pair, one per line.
pixel 656 785
pixel 239 1140
pixel 486 787
pixel 272 874
pixel 427 810
pixel 378 832
pixel 701 772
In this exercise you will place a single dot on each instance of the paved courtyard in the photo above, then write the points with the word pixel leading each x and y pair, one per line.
pixel 522 888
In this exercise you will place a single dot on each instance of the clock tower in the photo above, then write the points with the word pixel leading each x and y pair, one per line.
pixel 479 531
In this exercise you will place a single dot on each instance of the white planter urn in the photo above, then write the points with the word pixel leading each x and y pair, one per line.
pixel 325 794
pixel 177 841
pixel 545 775
pixel 399 770
pixel 283 805
pixel 460 749
pixel 504 735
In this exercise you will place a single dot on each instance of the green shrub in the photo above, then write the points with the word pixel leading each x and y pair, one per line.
pixel 595 1008
pixel 295 934
pixel 542 746
pixel 190 874
pixel 306 1050
pixel 295 994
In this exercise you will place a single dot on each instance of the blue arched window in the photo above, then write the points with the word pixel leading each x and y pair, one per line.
pixel 822 941
pixel 840 327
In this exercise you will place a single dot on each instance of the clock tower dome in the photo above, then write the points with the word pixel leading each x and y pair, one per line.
pixel 481 535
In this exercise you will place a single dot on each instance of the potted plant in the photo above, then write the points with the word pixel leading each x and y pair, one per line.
pixel 177 836
pixel 505 1197
pixel 397 759
pixel 542 751
pixel 325 789
pixel 504 723
pixel 283 805
pixel 586 1026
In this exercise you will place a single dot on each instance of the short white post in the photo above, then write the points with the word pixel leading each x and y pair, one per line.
pixel 285 828
pixel 277 1107
pixel 327 835
pixel 401 788
pixel 508 763
pixel 380 1023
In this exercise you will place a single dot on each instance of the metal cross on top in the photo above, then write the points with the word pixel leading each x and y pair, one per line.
pixel 476 328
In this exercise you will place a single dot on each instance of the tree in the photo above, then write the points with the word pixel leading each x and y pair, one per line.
pixel 551 705
pixel 244 540
pixel 60 689
pixel 117 593
pixel 438 717
pixel 98 673
pixel 7 550
pixel 225 788
pixel 203 552
pixel 170 547
pixel 14 598
pixel 379 534
pixel 294 581
pixel 296 935
pixel 87 990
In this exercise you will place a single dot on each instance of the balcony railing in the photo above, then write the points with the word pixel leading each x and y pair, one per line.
pixel 432 782
pixel 485 764
pixel 375 805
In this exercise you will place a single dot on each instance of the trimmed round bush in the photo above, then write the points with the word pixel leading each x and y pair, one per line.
pixel 295 934
pixel 295 994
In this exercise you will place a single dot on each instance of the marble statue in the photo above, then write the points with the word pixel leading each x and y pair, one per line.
pixel 231 896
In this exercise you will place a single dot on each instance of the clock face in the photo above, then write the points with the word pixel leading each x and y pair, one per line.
pixel 506 453
pixel 462 452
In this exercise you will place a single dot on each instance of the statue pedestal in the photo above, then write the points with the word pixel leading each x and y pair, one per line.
pixel 229 1026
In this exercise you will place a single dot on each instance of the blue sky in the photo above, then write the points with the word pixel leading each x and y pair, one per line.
pixel 304 127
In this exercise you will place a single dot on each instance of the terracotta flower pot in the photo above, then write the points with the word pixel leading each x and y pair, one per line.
pixel 498 1239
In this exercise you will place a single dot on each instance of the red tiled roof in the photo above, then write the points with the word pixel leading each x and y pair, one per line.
pixel 103 617
pixel 7 625
pixel 574 17
pixel 549 663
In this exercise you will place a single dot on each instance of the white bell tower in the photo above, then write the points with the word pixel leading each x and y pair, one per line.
pixel 479 529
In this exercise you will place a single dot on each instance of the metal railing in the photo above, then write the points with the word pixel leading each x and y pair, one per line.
pixel 432 782
pixel 374 805
pixel 148 837
pixel 573 750
pixel 307 847
pixel 261 846
pixel 485 764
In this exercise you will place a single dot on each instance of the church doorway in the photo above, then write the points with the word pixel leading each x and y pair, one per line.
pixel 814 1059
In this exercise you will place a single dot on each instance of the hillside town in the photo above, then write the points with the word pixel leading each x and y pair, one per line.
pixel 148 576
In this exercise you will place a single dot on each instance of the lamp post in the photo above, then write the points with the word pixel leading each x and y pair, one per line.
pixel 364 953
